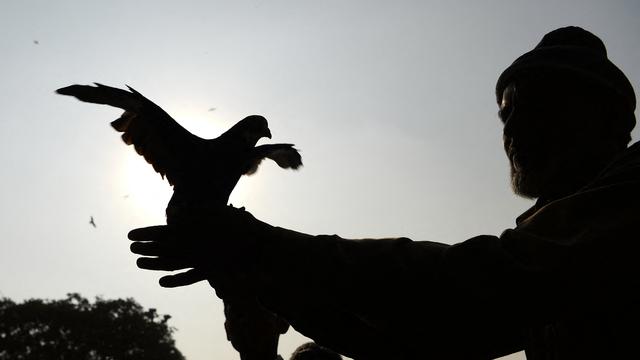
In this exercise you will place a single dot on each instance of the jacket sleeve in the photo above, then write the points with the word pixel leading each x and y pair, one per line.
pixel 387 298
pixel 397 298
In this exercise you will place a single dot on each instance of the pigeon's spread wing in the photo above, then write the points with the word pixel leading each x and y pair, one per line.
pixel 285 155
pixel 154 134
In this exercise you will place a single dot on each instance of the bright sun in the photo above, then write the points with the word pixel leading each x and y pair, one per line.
pixel 146 191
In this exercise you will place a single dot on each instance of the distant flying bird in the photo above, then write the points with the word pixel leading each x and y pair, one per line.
pixel 92 222
pixel 202 172
pixel 212 109
pixel 36 42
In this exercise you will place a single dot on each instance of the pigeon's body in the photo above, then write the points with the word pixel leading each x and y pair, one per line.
pixel 202 172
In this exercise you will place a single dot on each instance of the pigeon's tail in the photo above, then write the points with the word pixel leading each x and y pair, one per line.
pixel 107 95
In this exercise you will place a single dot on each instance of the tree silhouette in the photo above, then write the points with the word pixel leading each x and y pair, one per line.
pixel 75 328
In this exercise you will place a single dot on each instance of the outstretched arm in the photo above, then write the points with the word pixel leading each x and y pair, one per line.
pixel 364 298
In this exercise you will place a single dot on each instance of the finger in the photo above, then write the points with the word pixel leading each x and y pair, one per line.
pixel 182 279
pixel 149 248
pixel 162 263
pixel 155 233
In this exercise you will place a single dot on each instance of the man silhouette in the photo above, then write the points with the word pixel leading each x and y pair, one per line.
pixel 562 284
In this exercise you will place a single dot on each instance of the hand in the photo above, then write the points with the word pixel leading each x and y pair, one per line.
pixel 220 246
pixel 168 254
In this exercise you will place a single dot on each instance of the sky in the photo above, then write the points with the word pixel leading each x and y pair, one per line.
pixel 391 103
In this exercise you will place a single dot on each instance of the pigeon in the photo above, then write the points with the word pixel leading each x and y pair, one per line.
pixel 203 173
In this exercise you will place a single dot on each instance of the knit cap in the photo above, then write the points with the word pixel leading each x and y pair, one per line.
pixel 577 51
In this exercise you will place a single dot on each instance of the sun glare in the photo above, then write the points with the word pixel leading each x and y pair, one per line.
pixel 144 189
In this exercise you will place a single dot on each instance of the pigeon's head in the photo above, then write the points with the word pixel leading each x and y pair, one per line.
pixel 252 128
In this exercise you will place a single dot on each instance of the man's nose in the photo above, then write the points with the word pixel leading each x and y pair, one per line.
pixel 515 124
pixel 509 128
pixel 512 130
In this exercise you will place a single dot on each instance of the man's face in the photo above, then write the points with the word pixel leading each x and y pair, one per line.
pixel 548 137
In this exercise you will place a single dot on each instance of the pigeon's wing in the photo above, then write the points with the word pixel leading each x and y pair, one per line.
pixel 154 134
pixel 285 155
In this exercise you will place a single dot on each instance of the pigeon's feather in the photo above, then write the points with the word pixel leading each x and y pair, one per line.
pixel 155 135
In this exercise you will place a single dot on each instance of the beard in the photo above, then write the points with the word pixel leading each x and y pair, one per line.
pixel 527 169
pixel 525 183
pixel 554 177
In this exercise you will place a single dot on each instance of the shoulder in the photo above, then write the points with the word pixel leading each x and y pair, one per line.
pixel 624 168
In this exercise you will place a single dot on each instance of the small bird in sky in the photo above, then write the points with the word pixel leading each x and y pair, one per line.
pixel 212 109
pixel 36 42
pixel 92 222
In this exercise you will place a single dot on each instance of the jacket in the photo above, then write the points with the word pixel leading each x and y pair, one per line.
pixel 562 284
